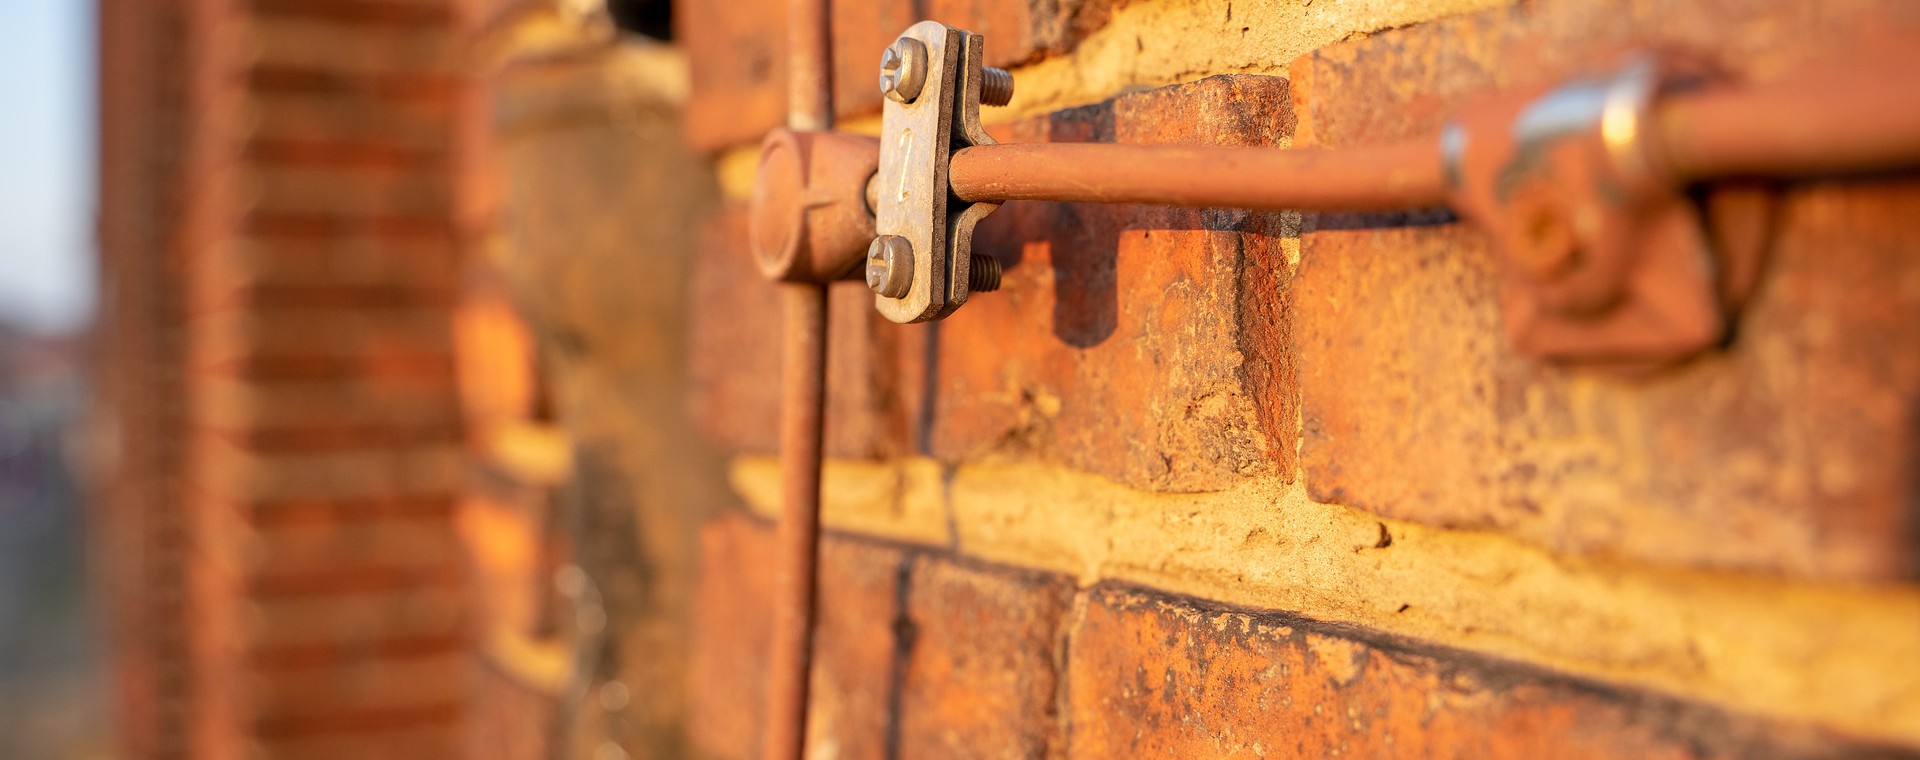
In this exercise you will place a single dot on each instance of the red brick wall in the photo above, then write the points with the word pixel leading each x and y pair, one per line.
pixel 279 310
pixel 1215 483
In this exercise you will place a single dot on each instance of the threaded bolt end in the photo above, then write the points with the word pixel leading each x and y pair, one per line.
pixel 996 86
pixel 983 274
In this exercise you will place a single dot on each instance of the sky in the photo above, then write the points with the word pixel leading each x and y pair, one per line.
pixel 46 163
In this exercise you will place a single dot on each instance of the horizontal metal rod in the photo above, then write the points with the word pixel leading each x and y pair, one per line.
pixel 1857 116
pixel 1402 175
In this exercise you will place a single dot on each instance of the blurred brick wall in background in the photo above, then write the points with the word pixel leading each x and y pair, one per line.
pixel 281 246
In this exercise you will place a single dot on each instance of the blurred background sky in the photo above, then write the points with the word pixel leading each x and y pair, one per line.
pixel 51 687
pixel 46 163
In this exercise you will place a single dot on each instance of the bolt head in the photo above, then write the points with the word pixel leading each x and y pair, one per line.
pixel 903 70
pixel 890 266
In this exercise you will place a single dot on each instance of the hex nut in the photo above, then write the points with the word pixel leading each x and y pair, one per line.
pixel 890 266
pixel 903 70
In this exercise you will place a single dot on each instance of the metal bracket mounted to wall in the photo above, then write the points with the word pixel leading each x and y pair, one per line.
pixel 920 265
pixel 1607 258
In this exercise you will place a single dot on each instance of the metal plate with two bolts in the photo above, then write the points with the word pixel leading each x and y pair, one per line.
pixel 912 198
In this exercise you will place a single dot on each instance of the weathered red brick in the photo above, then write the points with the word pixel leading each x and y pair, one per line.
pixel 231 474
pixel 352 46
pixel 358 682
pixel 983 661
pixel 1142 343
pixel 913 658
pixel 375 13
pixel 407 743
pixel 350 117
pixel 1154 677
pixel 231 335
pixel 1789 451
pixel 855 649
pixel 315 547
pixel 236 405
pixel 344 620
pixel 425 265
pixel 874 384
pixel 350 192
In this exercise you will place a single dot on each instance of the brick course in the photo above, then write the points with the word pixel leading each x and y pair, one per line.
pixel 986 661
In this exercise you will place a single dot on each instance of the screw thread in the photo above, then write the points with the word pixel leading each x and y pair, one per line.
pixel 996 86
pixel 983 274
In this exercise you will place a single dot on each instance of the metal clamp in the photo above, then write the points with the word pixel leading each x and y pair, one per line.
pixel 920 266
pixel 1608 259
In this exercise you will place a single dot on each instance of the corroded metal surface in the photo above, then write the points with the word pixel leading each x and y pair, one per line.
pixel 1405 175
pixel 809 211
pixel 802 402
pixel 1605 261
pixel 912 202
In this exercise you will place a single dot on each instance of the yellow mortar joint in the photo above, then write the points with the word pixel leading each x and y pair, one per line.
pixel 1838 654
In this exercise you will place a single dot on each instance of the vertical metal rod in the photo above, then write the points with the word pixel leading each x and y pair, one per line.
pixel 809 81
pixel 803 398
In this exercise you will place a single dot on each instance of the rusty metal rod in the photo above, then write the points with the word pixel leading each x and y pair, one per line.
pixel 809 67
pixel 1858 117
pixel 1841 120
pixel 803 395
pixel 802 405
pixel 1400 175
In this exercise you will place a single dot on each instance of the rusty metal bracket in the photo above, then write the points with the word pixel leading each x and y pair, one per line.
pixel 808 221
pixel 1608 259
pixel 921 265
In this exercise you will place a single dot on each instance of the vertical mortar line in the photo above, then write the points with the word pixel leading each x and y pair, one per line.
pixel 803 398
pixel 903 629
